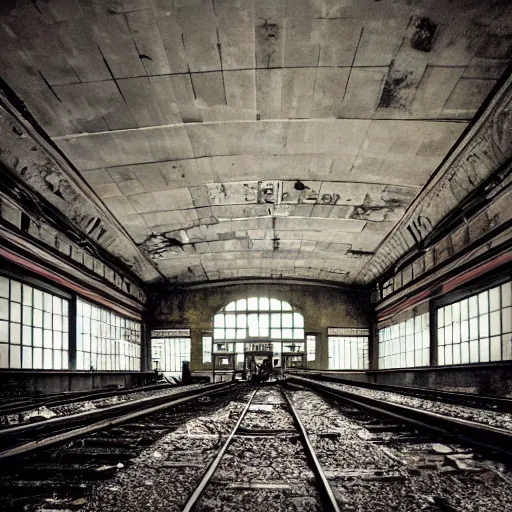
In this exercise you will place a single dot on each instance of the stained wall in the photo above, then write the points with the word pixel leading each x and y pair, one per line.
pixel 322 307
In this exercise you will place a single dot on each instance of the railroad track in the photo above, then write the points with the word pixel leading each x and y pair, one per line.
pixel 25 438
pixel 52 469
pixel 450 397
pixel 377 462
pixel 23 405
pixel 474 433
pixel 268 422
pixel 290 448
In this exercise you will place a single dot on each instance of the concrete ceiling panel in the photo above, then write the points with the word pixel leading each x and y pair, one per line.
pixel 269 84
pixel 469 94
pixel 363 92
pixel 175 112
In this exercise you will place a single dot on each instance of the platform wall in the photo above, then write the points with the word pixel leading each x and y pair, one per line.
pixel 20 383
pixel 322 307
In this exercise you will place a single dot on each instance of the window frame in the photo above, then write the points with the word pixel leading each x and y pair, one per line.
pixel 65 330
pixel 394 343
pixel 349 338
pixel 117 358
pixel 311 354
pixel 471 291
pixel 167 354
pixel 268 325
pixel 207 348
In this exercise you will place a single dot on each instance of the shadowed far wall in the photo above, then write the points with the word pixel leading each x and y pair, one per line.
pixel 322 307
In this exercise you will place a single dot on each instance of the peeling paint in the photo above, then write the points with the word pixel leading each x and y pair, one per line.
pixel 157 245
pixel 396 89
pixel 269 31
pixel 423 36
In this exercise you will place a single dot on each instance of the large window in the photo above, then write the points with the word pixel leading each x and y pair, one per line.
pixel 477 329
pixel 33 327
pixel 105 340
pixel 311 347
pixel 207 349
pixel 405 344
pixel 258 317
pixel 168 354
pixel 348 352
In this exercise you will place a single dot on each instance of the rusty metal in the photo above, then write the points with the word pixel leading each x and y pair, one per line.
pixel 470 432
pixel 479 401
pixel 81 424
pixel 196 495
pixel 328 499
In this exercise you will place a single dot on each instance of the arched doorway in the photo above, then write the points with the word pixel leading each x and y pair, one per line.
pixel 256 325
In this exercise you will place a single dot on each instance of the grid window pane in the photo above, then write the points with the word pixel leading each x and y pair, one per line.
pixel 495 349
pixel 15 334
pixel 311 347
pixel 287 333
pixel 473 306
pixel 4 287
pixel 405 344
pixel 15 291
pixel 15 312
pixel 464 312
pixel 26 357
pixel 489 319
pixel 230 321
pixel 4 309
pixel 494 299
pixel 15 359
pixel 252 303
pixel 348 352
pixel 287 320
pixel 275 305
pixel 26 307
pixel 464 350
pixel 207 349
pixel 264 304
pixel 105 340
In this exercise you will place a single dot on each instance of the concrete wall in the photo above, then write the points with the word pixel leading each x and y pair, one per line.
pixel 20 383
pixel 484 379
pixel 492 379
pixel 321 306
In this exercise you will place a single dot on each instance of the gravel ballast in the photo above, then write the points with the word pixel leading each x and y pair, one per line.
pixel 366 474
pixel 44 413
pixel 491 418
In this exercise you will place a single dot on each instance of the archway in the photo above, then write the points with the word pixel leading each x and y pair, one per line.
pixel 256 325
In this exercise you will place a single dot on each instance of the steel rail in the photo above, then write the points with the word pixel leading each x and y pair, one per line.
pixel 78 419
pixel 148 407
pixel 193 501
pixel 471 432
pixel 329 500
pixel 63 399
pixel 481 401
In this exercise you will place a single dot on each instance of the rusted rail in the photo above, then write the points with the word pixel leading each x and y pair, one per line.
pixel 469 431
pixel 480 401
pixel 86 423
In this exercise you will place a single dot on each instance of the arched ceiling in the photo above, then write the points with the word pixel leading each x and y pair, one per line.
pixel 247 138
